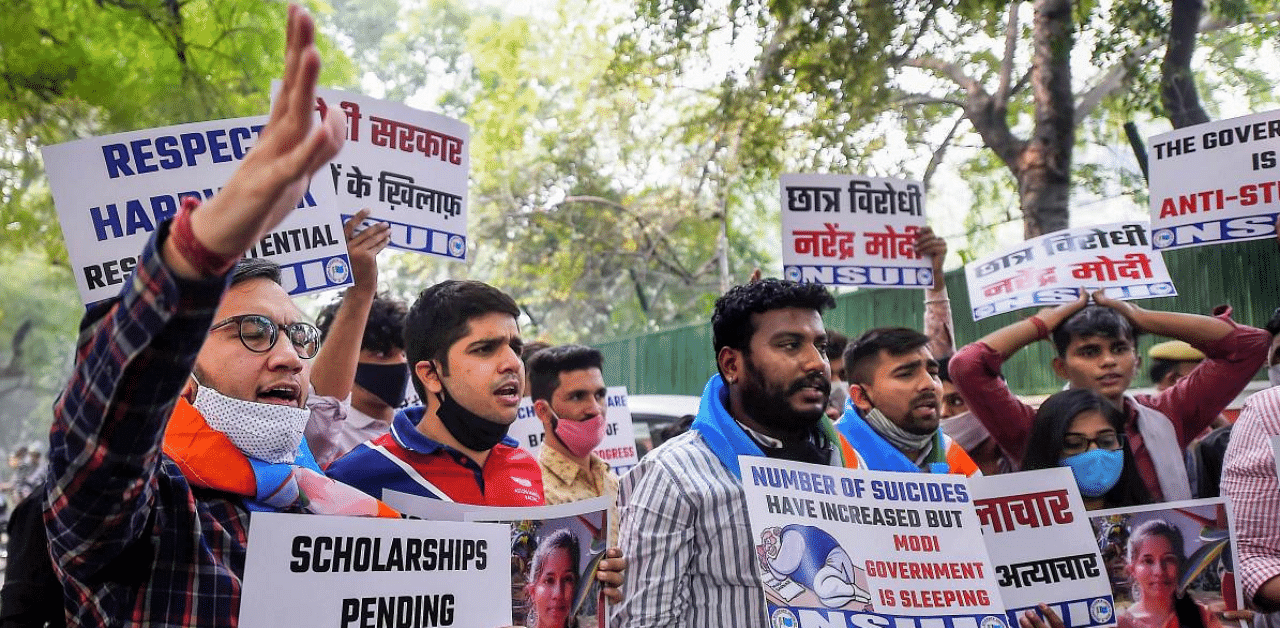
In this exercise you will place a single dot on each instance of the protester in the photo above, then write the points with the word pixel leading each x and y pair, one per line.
pixel 1095 347
pixel 836 343
pixel 569 397
pixel 1249 480
pixel 1079 429
pixel 1172 360
pixel 684 513
pixel 553 582
pixel 894 421
pixel 134 538
pixel 1156 557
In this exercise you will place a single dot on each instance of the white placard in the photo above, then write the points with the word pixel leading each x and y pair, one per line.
pixel 1052 268
pixel 1044 551
pixel 850 230
pixel 111 192
pixel 846 547
pixel 408 166
pixel 1216 182
pixel 618 448
pixel 351 572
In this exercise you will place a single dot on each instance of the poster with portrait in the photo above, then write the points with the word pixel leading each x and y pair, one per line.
pixel 555 553
pixel 1170 559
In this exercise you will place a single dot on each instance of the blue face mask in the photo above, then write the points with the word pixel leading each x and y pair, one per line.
pixel 1096 470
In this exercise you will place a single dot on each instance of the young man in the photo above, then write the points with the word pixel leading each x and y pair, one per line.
pixel 893 383
pixel 463 347
pixel 568 392
pixel 684 514
pixel 1095 346
pixel 133 538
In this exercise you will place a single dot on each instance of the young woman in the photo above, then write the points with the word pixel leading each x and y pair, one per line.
pixel 1156 556
pixel 1081 430
pixel 553 581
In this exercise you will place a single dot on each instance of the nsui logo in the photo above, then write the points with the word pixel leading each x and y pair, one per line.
pixel 1162 238
pixel 793 273
pixel 457 246
pixel 336 270
pixel 783 618
pixel 992 621
pixel 1100 610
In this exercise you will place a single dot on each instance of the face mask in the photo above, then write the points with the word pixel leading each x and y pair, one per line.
pixel 268 432
pixel 472 430
pixel 579 437
pixel 1273 374
pixel 1096 470
pixel 385 381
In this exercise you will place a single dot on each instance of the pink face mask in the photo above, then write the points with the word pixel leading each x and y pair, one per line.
pixel 580 437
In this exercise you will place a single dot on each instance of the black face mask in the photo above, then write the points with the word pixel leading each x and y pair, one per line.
pixel 472 430
pixel 386 381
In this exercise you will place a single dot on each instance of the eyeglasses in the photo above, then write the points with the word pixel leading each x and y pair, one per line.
pixel 1076 444
pixel 258 334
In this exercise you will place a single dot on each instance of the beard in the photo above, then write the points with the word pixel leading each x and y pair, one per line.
pixel 769 403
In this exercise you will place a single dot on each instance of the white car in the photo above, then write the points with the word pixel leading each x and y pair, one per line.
pixel 651 413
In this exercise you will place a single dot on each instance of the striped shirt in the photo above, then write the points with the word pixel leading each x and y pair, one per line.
pixel 688 542
pixel 1249 479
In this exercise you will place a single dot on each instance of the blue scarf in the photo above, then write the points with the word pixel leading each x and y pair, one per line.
pixel 725 437
pixel 275 488
pixel 879 454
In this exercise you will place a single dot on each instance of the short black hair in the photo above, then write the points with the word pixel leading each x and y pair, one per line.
pixel 384 330
pixel 545 366
pixel 836 342
pixel 441 315
pixel 1273 324
pixel 1045 445
pixel 1093 320
pixel 943 363
pixel 1161 367
pixel 862 355
pixel 255 268
pixel 731 324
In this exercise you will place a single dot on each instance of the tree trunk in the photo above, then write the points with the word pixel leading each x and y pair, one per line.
pixel 1044 167
pixel 1178 92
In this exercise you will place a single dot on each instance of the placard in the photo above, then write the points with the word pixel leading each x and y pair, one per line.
pixel 1216 182
pixel 1044 551
pixel 1052 268
pixel 408 166
pixel 358 572
pixel 555 553
pixel 1161 552
pixel 618 449
pixel 845 230
pixel 848 547
pixel 112 191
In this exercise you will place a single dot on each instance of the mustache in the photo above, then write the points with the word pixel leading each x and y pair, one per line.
pixel 817 380
pixel 923 397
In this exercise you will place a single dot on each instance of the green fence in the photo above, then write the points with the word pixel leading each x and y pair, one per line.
pixel 1244 275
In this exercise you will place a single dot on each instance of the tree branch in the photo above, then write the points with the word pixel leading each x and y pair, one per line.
pixel 1006 63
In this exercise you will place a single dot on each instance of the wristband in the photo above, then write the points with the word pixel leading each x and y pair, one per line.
pixel 1042 330
pixel 207 262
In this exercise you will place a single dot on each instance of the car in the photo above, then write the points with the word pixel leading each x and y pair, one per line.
pixel 651 413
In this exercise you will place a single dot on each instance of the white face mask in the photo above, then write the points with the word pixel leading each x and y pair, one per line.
pixel 268 432
pixel 1273 374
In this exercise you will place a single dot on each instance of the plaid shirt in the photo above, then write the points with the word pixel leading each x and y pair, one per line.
pixel 133 542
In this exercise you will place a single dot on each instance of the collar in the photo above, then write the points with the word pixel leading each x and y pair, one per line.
pixel 763 440
pixel 404 429
pixel 566 470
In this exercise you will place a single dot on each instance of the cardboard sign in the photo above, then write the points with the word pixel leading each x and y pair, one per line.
pixel 112 192
pixel 1043 549
pixel 1052 268
pixel 360 572
pixel 618 448
pixel 853 231
pixel 555 553
pixel 409 167
pixel 1216 182
pixel 845 547
pixel 1199 533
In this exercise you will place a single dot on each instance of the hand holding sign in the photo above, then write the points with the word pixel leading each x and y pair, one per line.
pixel 612 574
pixel 275 174
pixel 363 249
pixel 935 248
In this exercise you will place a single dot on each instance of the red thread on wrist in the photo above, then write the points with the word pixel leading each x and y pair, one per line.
pixel 1042 330
pixel 207 262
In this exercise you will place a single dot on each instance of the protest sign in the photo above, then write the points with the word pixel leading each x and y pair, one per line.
pixel 409 167
pixel 853 231
pixel 555 553
pixel 1162 556
pixel 111 192
pixel 360 572
pixel 618 449
pixel 1043 549
pixel 1216 182
pixel 1052 268
pixel 846 547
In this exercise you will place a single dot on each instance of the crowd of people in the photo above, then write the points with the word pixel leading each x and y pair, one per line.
pixel 201 394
